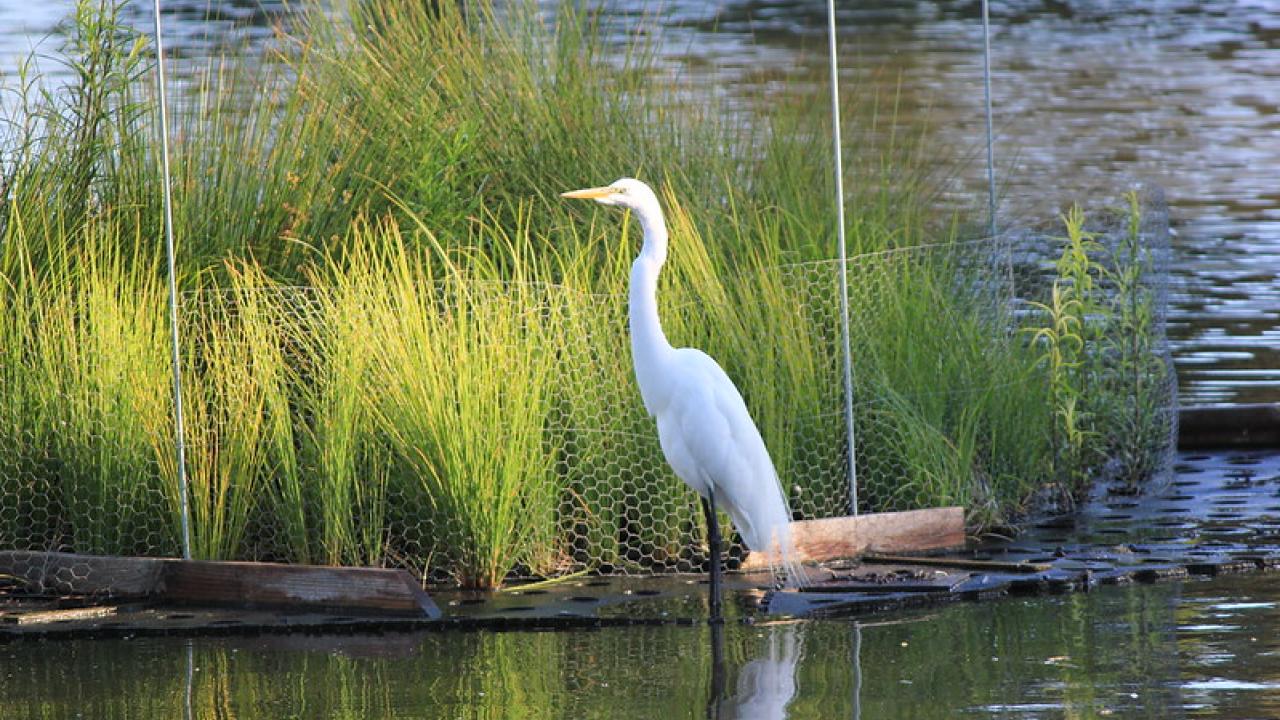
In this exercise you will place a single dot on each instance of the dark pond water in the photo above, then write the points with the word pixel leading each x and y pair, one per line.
pixel 1206 649
pixel 1089 94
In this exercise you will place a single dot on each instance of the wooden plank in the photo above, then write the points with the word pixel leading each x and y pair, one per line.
pixel 197 582
pixel 71 574
pixel 295 587
pixel 1229 426
pixel 962 563
pixel 851 536
pixel 50 616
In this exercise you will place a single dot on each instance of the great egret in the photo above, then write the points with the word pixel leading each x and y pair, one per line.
pixel 704 428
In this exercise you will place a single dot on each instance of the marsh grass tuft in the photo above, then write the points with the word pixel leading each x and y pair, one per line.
pixel 462 375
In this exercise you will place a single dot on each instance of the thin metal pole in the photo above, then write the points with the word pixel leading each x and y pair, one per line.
pixel 986 85
pixel 842 253
pixel 178 430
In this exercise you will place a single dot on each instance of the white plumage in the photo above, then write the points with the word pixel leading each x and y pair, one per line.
pixel 710 441
pixel 704 427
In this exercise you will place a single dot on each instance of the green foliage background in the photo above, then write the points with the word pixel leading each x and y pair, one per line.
pixel 401 348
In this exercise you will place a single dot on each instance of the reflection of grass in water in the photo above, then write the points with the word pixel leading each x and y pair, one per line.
pixel 1081 662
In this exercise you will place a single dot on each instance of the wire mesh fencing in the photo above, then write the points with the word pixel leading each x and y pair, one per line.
pixel 478 431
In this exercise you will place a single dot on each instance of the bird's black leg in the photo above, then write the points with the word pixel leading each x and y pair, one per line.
pixel 717 672
pixel 713 540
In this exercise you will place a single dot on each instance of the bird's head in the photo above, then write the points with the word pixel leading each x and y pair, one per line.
pixel 627 192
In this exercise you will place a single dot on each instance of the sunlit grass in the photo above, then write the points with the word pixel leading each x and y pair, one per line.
pixel 462 377
pixel 94 376
pixel 348 463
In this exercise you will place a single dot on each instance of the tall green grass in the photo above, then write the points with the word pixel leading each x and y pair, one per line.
pixel 86 386
pixel 463 374
pixel 953 411
pixel 400 347
pixel 1099 336
pixel 340 507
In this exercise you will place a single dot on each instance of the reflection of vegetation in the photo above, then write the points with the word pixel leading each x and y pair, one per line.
pixel 1017 653
pixel 450 390
pixel 1052 652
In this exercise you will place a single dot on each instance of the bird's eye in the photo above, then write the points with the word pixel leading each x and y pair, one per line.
pixel 622 190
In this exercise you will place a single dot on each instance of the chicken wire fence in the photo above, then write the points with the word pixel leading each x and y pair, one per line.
pixel 500 433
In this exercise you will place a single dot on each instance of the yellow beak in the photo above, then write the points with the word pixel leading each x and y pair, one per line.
pixel 589 193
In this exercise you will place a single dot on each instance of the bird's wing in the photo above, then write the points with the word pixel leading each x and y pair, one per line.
pixel 716 440
pixel 711 442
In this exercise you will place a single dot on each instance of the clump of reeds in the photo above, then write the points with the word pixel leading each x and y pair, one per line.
pixel 337 514
pixel 1098 335
pixel 92 379
pixel 463 378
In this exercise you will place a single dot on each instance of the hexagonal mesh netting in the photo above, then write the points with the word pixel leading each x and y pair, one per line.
pixel 486 431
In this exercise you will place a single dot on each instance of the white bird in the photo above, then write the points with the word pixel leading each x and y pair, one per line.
pixel 704 428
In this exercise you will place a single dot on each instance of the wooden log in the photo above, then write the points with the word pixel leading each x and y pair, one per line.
pixel 851 536
pixel 295 587
pixel 1229 426
pixel 71 574
pixel 198 582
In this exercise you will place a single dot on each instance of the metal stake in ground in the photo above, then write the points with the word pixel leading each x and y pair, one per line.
pixel 842 254
pixel 178 430
pixel 991 158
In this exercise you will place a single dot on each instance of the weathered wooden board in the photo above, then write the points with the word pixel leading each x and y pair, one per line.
pixel 295 587
pixel 303 588
pixel 70 574
pixel 1229 426
pixel 893 532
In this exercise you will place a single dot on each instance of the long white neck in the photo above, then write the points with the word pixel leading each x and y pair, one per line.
pixel 649 346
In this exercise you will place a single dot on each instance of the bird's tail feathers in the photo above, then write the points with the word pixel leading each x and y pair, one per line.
pixel 765 526
pixel 784 558
pixel 778 541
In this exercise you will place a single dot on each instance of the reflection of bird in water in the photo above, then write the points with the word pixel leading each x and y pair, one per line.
pixel 704 428
pixel 766 684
